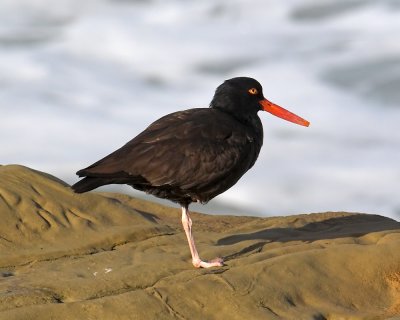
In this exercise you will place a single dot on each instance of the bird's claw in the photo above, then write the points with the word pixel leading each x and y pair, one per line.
pixel 217 262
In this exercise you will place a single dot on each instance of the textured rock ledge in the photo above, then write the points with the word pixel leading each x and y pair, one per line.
pixel 110 256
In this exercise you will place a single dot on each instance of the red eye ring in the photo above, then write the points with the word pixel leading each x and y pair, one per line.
pixel 253 91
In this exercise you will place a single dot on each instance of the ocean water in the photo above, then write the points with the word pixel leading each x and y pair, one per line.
pixel 80 79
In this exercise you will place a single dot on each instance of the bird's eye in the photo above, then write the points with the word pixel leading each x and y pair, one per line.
pixel 253 91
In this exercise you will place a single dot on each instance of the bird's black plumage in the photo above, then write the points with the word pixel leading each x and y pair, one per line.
pixel 190 155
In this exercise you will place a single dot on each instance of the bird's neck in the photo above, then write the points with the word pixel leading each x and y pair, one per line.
pixel 249 119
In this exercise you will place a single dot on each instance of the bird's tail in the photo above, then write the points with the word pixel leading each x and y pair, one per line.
pixel 88 183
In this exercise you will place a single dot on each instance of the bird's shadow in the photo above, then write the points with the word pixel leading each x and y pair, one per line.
pixel 355 225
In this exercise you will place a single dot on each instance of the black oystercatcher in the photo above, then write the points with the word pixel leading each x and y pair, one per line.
pixel 192 155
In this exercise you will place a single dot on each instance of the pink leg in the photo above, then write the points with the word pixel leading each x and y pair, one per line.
pixel 197 262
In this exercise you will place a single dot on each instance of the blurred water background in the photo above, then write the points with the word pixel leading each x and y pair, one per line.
pixel 78 79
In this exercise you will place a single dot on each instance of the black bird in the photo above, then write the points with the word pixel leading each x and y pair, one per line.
pixel 192 155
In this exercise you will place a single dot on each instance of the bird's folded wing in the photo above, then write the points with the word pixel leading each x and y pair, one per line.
pixel 188 149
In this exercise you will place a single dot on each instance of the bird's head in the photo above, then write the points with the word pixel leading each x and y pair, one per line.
pixel 243 98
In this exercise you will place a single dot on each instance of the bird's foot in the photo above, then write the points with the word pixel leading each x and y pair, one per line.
pixel 217 262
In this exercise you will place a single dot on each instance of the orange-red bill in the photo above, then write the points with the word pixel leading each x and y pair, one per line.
pixel 282 113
